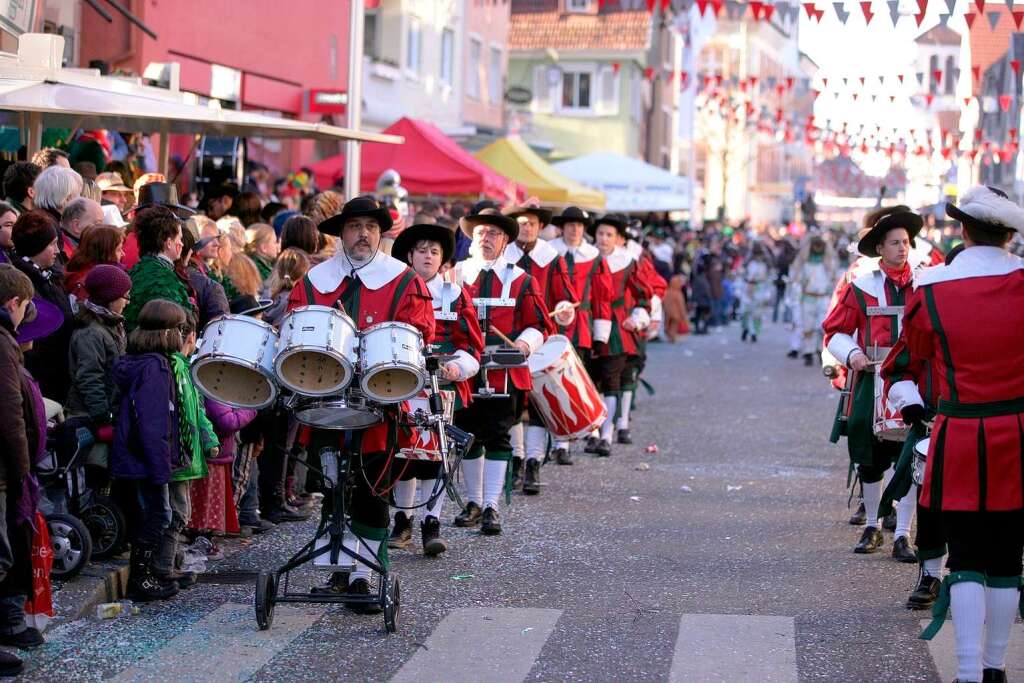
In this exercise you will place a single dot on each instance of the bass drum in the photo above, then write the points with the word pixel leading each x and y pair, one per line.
pixel 563 392
pixel 234 362
pixel 317 351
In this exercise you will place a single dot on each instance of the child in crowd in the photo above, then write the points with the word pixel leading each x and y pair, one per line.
pixel 289 269
pixel 213 499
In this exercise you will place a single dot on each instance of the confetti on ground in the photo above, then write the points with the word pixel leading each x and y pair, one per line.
pixel 685 488
pixel 462 577
pixel 642 467
pixel 635 498
pixel 652 448
pixel 730 487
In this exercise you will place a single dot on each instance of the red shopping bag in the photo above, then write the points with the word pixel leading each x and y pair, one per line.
pixel 39 606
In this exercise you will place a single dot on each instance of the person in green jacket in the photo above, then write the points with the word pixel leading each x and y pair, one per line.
pixel 158 232
pixel 198 442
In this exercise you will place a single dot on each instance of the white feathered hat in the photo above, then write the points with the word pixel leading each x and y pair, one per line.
pixel 987 208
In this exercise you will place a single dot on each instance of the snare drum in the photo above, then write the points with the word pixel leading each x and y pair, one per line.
pixel 317 351
pixel 563 392
pixel 234 362
pixel 920 460
pixel 886 421
pixel 345 411
pixel 421 443
pixel 391 362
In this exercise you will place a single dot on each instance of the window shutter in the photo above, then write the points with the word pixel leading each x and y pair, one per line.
pixel 607 95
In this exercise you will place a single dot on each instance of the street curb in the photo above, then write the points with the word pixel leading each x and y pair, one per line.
pixel 108 584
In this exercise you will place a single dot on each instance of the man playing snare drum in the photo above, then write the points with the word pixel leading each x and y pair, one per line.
pixel 371 287
pixel 428 248
pixel 858 340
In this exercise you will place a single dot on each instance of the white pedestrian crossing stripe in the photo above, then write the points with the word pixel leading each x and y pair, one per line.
pixel 231 647
pixel 480 645
pixel 734 647
pixel 943 650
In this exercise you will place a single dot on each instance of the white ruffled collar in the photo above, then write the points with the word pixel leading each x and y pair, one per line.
pixel 971 262
pixel 467 271
pixel 382 269
pixel 582 254
pixel 542 253
pixel 619 259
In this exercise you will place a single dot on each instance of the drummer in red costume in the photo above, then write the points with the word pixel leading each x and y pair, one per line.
pixel 550 274
pixel 371 287
pixel 428 248
pixel 635 364
pixel 507 300
pixel 592 280
pixel 850 336
pixel 630 313
pixel 966 319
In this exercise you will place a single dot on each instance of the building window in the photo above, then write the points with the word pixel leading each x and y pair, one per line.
pixel 370 35
pixel 933 66
pixel 950 75
pixel 578 5
pixel 575 90
pixel 447 55
pixel 494 76
pixel 476 49
pixel 413 46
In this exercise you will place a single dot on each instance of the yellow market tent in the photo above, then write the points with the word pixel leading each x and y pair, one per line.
pixel 514 159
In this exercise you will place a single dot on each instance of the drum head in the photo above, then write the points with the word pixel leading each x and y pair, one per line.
pixel 922 446
pixel 548 354
pixel 392 385
pixel 313 373
pixel 235 385
pixel 334 415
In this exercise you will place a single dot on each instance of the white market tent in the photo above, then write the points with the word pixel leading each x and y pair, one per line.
pixel 36 92
pixel 630 185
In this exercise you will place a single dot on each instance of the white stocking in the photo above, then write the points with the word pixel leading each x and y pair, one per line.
pixel 494 482
pixel 473 475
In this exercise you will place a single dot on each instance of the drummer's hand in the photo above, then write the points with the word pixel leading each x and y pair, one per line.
pixel 564 313
pixel 450 371
pixel 524 347
pixel 858 361
pixel 654 326
pixel 913 414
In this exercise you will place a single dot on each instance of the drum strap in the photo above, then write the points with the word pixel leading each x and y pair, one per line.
pixel 396 300
pixel 588 282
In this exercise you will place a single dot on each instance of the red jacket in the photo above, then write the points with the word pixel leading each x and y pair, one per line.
pixel 461 336
pixel 967 320
pixel 592 280
pixel 549 272
pixel 630 293
pixel 387 290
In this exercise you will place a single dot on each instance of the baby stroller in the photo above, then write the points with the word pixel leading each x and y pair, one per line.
pixel 83 523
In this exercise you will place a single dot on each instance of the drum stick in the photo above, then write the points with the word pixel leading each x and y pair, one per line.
pixel 563 308
pixel 496 331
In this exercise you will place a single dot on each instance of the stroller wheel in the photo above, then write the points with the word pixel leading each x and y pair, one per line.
pixel 392 604
pixel 71 543
pixel 266 592
pixel 106 525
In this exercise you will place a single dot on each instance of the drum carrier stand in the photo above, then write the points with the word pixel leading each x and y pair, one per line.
pixel 326 549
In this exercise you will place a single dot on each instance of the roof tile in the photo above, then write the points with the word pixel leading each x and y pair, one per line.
pixel 537 25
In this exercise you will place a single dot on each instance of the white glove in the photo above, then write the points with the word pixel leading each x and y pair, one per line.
pixel 564 313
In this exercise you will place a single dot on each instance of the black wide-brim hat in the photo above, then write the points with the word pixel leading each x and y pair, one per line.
pixel 356 208
pixel 432 232
pixel 573 214
pixel 543 215
pixel 247 304
pixel 507 224
pixel 162 194
pixel 616 220
pixel 904 218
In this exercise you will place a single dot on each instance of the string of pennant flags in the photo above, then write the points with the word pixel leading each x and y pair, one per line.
pixel 785 11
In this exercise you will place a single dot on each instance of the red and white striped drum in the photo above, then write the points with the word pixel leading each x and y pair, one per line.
pixel 563 392
pixel 418 443
pixel 887 423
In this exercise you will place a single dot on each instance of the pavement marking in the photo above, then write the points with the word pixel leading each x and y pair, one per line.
pixel 481 645
pixel 734 647
pixel 225 645
pixel 943 651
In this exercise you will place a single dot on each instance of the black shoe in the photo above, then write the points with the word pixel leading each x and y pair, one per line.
pixel 623 437
pixel 753 339
pixel 10 664
pixel 284 513
pixel 889 521
pixel 793 354
pixel 926 593
pixel 26 640
pixel 401 533
pixel 260 526
pixel 517 473
pixel 902 552
pixel 470 516
pixel 590 444
pixel 870 541
pixel 993 676
pixel 743 337
pixel 491 523
pixel 808 359
pixel 531 481
pixel 433 544
pixel 336 585
pixel 143 584
pixel 860 516
pixel 604 449
pixel 361 588
pixel 562 456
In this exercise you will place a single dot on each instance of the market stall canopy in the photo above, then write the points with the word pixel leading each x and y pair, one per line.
pixel 629 185
pixel 514 158
pixel 430 163
pixel 37 92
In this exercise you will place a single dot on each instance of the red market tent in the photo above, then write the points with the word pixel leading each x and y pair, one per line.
pixel 430 163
